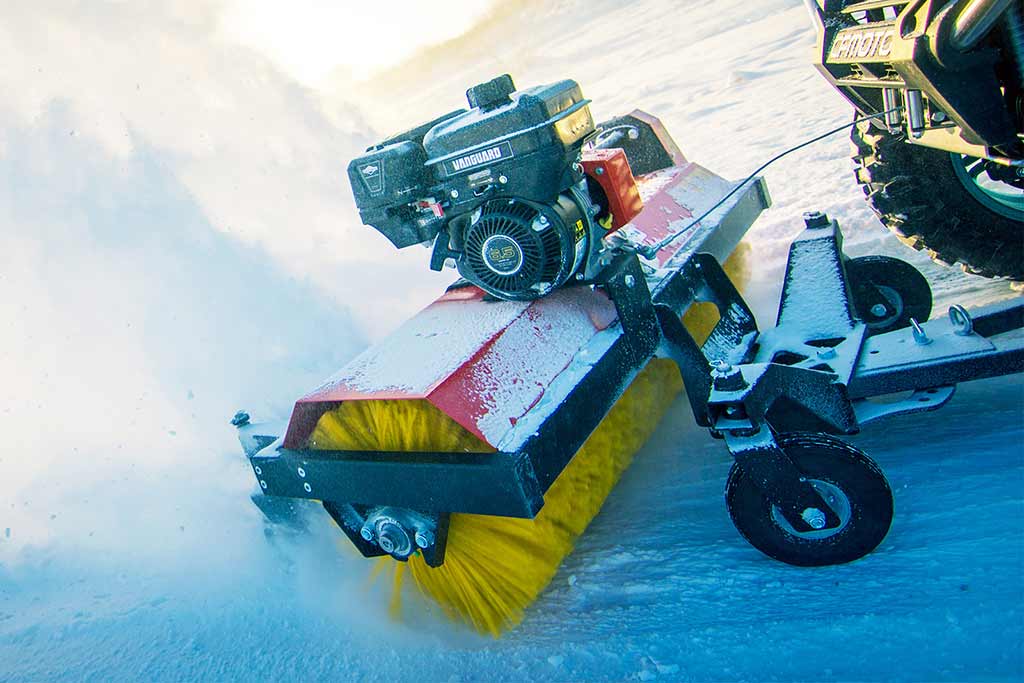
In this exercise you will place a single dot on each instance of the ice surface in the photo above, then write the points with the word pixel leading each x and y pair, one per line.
pixel 174 233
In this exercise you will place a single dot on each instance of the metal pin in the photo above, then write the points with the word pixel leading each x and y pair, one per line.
pixel 920 336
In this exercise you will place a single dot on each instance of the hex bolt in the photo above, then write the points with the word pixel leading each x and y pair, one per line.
pixel 879 310
pixel 454 194
pixel 814 517
pixel 366 532
pixel 725 377
pixel 630 281
pixel 240 419
pixel 920 336
pixel 816 219
pixel 424 539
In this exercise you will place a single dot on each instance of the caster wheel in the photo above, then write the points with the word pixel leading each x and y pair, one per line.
pixel 846 479
pixel 906 292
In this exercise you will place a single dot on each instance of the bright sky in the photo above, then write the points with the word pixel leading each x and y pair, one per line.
pixel 310 38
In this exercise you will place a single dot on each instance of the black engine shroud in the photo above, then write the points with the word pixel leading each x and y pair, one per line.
pixel 498 187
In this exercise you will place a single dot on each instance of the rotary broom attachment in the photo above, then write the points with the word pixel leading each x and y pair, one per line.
pixel 495 567
pixel 472 446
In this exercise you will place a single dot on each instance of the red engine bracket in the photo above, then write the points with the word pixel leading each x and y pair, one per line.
pixel 610 169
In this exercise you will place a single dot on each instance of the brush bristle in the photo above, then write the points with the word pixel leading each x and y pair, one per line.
pixel 495 567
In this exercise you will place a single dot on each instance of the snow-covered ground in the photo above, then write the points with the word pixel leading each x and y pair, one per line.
pixel 177 241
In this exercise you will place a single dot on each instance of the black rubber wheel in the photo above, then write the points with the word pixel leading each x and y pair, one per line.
pixel 906 292
pixel 935 201
pixel 849 481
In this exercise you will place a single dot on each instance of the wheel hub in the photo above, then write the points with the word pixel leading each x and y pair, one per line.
pixel 815 518
pixel 996 187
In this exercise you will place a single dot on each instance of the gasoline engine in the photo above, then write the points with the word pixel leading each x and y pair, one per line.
pixel 505 189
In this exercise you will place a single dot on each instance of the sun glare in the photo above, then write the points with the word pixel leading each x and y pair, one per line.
pixel 310 39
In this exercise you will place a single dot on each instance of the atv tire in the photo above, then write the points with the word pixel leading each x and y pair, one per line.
pixel 917 193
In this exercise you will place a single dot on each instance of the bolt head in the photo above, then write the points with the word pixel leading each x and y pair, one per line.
pixel 599 170
pixel 814 517
pixel 630 281
pixel 424 539
pixel 240 419
pixel 879 310
pixel 367 533
pixel 393 539
pixel 725 377
pixel 454 194
pixel 503 179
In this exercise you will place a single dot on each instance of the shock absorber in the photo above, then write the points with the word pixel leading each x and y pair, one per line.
pixel 1013 29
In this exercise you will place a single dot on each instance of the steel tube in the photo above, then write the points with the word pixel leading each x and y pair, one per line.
pixel 975 21
pixel 893 119
pixel 915 112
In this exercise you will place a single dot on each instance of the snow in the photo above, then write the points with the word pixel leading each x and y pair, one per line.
pixel 175 236
pixel 462 330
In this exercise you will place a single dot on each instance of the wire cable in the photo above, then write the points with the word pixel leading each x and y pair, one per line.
pixel 649 251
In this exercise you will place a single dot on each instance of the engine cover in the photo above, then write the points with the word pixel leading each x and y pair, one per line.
pixel 516 249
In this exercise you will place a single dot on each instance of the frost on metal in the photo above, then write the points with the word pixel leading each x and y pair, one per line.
pixel 428 348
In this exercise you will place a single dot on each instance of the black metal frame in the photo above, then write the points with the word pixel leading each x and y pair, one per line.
pixel 813 372
pixel 816 370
